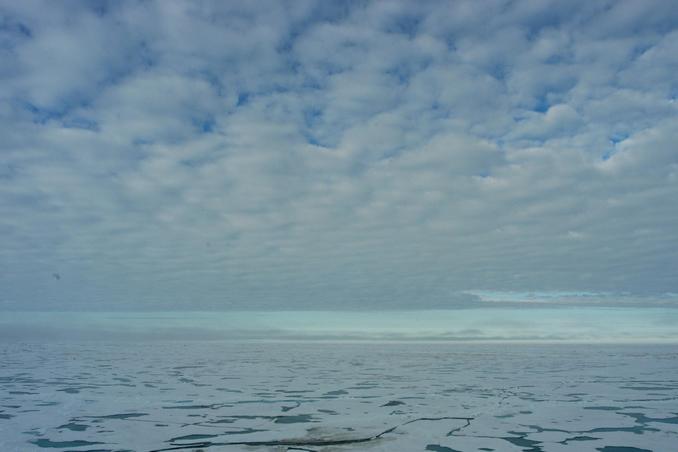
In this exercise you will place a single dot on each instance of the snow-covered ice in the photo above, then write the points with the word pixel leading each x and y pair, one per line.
pixel 331 396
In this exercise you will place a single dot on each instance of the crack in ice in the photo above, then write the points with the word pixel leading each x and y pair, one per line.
pixel 315 442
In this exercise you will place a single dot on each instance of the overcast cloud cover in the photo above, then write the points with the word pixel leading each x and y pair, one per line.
pixel 328 155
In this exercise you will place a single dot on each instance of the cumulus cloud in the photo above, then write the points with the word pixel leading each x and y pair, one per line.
pixel 325 155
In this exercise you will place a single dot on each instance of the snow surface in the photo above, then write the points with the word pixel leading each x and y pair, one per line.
pixel 247 396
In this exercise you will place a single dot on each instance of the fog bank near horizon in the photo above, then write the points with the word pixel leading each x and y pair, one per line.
pixel 573 324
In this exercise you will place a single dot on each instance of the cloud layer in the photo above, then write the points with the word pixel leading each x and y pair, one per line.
pixel 335 155
pixel 590 325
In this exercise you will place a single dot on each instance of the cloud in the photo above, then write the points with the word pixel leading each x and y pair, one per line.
pixel 473 325
pixel 384 155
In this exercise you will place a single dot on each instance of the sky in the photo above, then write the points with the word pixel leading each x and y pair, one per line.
pixel 446 326
pixel 313 155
